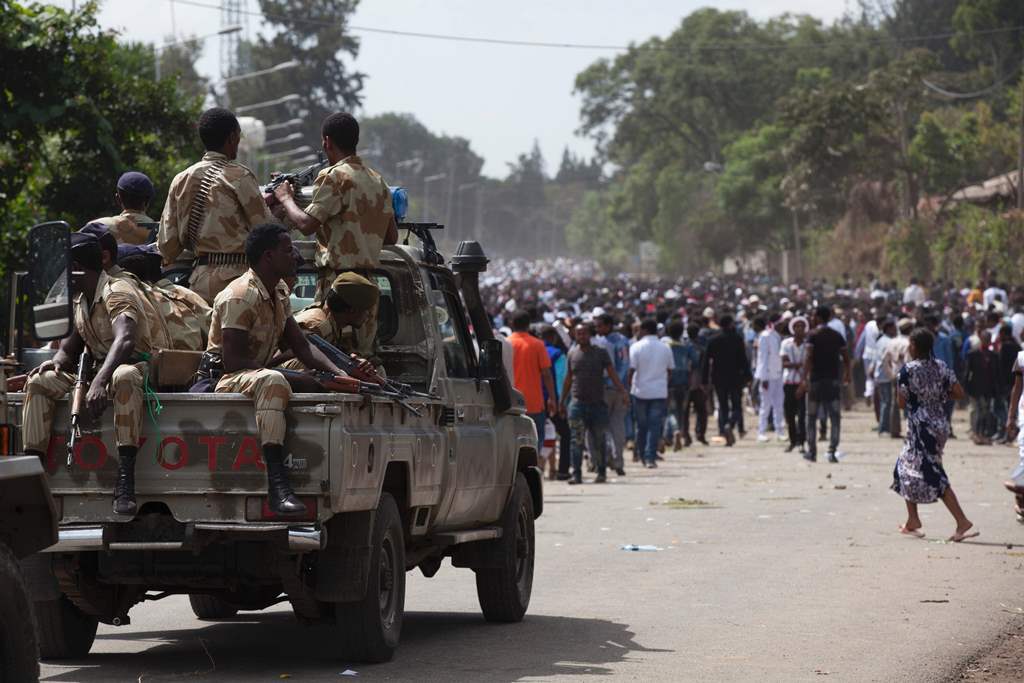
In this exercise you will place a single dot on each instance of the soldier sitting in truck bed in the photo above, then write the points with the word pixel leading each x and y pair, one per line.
pixel 132 226
pixel 348 305
pixel 111 324
pixel 251 320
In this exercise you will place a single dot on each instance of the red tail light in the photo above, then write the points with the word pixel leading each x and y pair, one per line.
pixel 5 440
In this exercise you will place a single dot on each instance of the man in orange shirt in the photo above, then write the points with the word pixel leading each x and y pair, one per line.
pixel 531 365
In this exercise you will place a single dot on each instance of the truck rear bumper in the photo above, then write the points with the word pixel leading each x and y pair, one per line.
pixel 298 539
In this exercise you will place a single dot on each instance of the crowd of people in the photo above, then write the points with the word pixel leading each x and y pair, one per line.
pixel 630 359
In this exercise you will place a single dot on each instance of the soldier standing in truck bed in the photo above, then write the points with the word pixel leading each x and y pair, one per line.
pixel 110 323
pixel 132 226
pixel 211 207
pixel 350 214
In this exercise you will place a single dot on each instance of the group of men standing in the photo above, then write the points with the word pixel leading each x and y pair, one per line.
pixel 237 306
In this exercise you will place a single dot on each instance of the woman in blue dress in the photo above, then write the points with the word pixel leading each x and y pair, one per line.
pixel 924 385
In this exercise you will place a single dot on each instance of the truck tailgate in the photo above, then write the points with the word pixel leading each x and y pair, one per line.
pixel 201 457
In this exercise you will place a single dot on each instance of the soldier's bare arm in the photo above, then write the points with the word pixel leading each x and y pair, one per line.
pixel 309 355
pixel 302 221
pixel 391 236
pixel 121 351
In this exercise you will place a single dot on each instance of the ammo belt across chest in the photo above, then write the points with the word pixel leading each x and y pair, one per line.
pixel 219 260
pixel 197 212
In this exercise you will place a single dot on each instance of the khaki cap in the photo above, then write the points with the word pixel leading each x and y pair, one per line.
pixel 356 291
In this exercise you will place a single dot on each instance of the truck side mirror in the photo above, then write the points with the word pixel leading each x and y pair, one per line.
pixel 49 280
pixel 491 367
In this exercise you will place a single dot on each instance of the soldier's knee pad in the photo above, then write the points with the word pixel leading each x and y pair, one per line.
pixel 126 374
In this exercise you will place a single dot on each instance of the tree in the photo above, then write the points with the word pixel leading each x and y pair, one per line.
pixel 316 34
pixel 78 109
pixel 749 190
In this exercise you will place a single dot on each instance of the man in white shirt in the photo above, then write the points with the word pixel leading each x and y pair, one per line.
pixel 914 294
pixel 650 363
pixel 994 292
pixel 768 372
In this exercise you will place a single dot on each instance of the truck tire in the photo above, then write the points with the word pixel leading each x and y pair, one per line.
pixel 19 650
pixel 210 607
pixel 504 592
pixel 370 628
pixel 65 632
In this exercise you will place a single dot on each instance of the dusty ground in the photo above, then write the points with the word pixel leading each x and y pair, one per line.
pixel 785 571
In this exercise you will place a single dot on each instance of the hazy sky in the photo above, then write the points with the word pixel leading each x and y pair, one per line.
pixel 501 98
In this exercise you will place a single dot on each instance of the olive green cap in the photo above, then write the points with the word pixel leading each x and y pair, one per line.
pixel 356 291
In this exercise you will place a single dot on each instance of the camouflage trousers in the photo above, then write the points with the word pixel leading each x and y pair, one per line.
pixel 45 389
pixel 365 336
pixel 208 281
pixel 269 391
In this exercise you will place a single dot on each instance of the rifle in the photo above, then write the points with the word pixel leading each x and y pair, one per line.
pixel 77 403
pixel 349 365
pixel 299 178
pixel 351 385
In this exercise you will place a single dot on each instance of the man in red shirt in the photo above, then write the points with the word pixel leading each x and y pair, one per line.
pixel 532 365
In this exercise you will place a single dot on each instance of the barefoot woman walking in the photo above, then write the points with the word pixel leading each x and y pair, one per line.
pixel 924 385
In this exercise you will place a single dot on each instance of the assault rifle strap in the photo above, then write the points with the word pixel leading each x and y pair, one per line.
pixel 197 212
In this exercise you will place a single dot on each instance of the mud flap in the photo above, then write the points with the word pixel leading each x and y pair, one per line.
pixel 343 567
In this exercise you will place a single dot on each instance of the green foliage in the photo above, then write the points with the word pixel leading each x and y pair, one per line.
pixel 749 190
pixel 976 241
pixel 78 109
pixel 591 233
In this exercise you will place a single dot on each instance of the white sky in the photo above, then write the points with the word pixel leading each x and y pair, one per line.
pixel 499 97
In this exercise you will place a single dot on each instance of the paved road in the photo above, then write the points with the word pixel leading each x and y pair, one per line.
pixel 792 572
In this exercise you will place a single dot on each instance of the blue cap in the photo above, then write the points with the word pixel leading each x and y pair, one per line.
pixel 98 230
pixel 126 250
pixel 137 184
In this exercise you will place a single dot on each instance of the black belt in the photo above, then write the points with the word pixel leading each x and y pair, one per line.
pixel 219 260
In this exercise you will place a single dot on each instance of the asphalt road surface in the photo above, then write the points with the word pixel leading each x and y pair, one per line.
pixel 784 571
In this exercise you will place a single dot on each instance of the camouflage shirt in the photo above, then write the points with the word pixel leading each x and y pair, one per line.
pixel 115 296
pixel 125 227
pixel 159 336
pixel 247 305
pixel 317 319
pixel 353 204
pixel 186 313
pixel 234 206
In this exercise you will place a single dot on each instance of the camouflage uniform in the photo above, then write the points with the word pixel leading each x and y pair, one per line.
pixel 234 206
pixel 246 305
pixel 353 204
pixel 125 227
pixel 114 297
pixel 159 335
pixel 186 313
pixel 316 319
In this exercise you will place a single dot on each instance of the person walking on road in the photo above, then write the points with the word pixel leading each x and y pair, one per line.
pixel 686 356
pixel 650 367
pixel 923 386
pixel 793 351
pixel 727 368
pixel 768 372
pixel 587 412
pixel 827 365
pixel 617 346
pixel 531 367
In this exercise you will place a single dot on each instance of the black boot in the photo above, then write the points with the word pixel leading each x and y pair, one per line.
pixel 124 489
pixel 279 492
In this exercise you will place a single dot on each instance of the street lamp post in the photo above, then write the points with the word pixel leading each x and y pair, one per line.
pixel 292 97
pixel 426 192
pixel 158 50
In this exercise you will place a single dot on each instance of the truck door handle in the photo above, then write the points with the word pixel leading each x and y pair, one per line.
pixel 460 414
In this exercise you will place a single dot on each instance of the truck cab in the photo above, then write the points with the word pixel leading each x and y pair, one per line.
pixel 389 488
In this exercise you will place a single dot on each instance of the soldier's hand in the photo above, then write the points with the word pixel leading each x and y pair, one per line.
pixel 96 399
pixel 284 192
pixel 364 371
pixel 45 366
pixel 270 200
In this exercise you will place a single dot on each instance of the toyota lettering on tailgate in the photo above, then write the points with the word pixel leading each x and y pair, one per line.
pixel 221 453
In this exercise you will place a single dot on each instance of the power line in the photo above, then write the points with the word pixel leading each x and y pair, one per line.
pixel 721 47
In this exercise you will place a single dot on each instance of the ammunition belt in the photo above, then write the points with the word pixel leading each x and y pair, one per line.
pixel 219 260
pixel 197 212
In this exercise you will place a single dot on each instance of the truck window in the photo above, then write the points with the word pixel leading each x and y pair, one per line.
pixel 459 353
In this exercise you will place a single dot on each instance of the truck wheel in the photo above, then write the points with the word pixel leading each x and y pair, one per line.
pixel 65 632
pixel 19 651
pixel 210 607
pixel 370 628
pixel 504 593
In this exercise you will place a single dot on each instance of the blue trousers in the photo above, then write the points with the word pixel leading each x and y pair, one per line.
pixel 650 422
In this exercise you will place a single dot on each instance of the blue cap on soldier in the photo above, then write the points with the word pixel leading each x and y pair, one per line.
pixel 137 184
